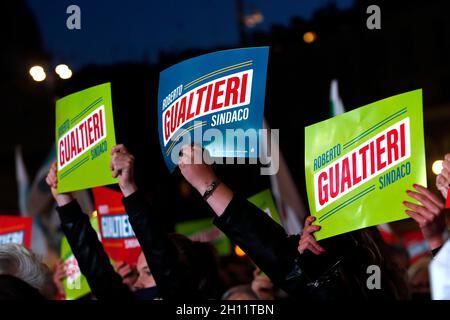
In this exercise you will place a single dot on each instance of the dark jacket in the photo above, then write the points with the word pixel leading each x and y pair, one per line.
pixel 92 259
pixel 170 273
pixel 160 253
pixel 305 276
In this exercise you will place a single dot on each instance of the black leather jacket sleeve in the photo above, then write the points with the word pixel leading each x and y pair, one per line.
pixel 93 261
pixel 160 252
pixel 265 242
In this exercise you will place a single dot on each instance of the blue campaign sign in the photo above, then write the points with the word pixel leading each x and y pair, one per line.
pixel 201 99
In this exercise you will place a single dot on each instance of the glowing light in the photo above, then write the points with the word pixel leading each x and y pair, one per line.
pixel 63 71
pixel 309 37
pixel 238 251
pixel 253 19
pixel 437 167
pixel 38 73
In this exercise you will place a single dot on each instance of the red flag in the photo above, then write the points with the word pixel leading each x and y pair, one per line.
pixel 116 233
pixel 14 229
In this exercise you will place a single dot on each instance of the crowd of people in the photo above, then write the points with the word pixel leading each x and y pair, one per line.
pixel 173 267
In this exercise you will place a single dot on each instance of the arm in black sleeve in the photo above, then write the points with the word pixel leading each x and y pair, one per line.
pixel 276 254
pixel 94 263
pixel 160 252
pixel 263 240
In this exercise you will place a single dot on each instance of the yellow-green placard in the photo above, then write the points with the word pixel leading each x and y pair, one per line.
pixel 84 138
pixel 358 165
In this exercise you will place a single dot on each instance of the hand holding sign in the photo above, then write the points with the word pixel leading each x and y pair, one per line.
pixel 197 173
pixel 122 167
pixel 52 180
pixel 430 215
pixel 443 179
pixel 201 177
pixel 84 133
pixel 307 240
pixel 128 273
pixel 59 274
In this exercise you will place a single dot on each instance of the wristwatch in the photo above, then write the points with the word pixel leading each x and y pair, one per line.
pixel 210 189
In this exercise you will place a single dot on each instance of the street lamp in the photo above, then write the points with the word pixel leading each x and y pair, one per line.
pixel 37 73
pixel 310 37
pixel 63 71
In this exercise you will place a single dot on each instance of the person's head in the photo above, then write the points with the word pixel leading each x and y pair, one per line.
pixel 372 251
pixel 17 261
pixel 241 292
pixel 145 278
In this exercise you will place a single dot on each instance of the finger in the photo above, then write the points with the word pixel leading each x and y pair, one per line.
pixel 427 203
pixel 185 158
pixel 314 243
pixel 430 195
pixel 125 270
pixel 117 149
pixel 115 173
pixel 446 165
pixel 312 229
pixel 309 220
pixel 186 149
pixel 441 181
pixel 188 152
pixel 52 177
pixel 417 217
pixel 419 209
pixel 51 181
pixel 446 174
pixel 48 181
pixel 311 248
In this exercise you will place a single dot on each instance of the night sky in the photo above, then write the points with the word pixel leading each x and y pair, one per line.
pixel 137 30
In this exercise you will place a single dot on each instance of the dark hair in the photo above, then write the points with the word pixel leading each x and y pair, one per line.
pixel 12 288
pixel 201 261
pixel 372 250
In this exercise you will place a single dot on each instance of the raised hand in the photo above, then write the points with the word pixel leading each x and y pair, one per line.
pixel 201 176
pixel 128 273
pixel 194 170
pixel 52 180
pixel 443 179
pixel 122 167
pixel 430 215
pixel 307 240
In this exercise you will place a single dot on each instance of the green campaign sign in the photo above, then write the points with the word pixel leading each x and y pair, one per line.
pixel 203 230
pixel 264 201
pixel 84 137
pixel 358 165
pixel 75 284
